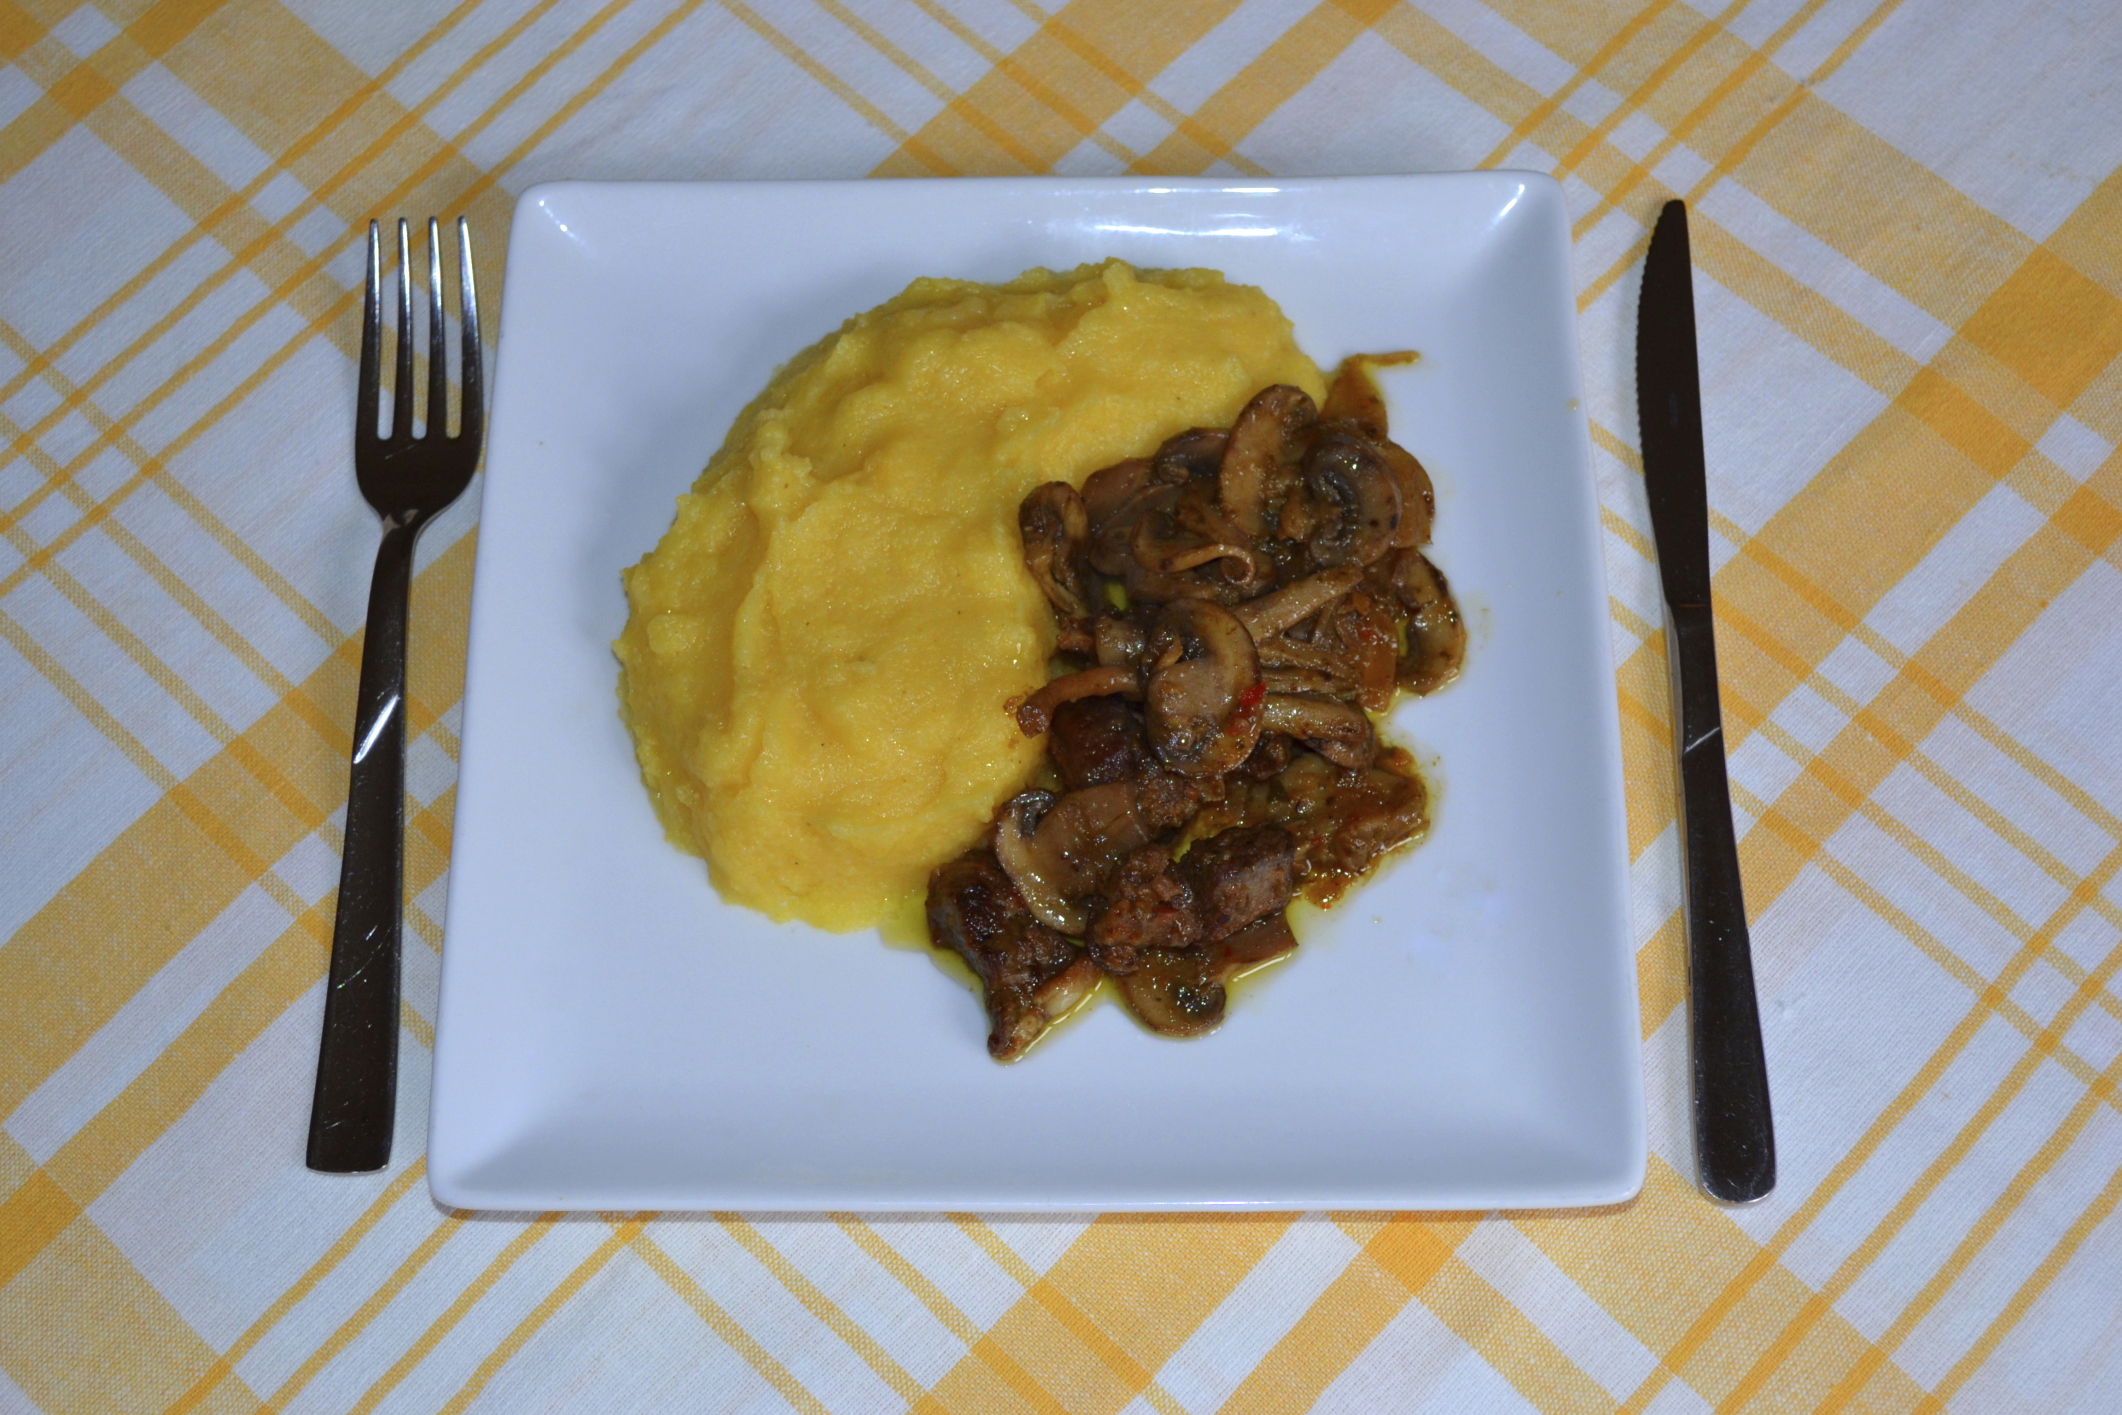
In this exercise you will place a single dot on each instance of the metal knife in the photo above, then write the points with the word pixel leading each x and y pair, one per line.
pixel 1735 1136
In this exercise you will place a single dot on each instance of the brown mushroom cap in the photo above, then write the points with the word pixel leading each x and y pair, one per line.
pixel 1056 532
pixel 1113 499
pixel 1057 851
pixel 1029 975
pixel 1173 994
pixel 1349 476
pixel 1262 443
pixel 1204 689
pixel 1436 635
pixel 1418 499
pixel 1191 455
pixel 1117 641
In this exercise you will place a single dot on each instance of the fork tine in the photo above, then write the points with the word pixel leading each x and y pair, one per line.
pixel 402 390
pixel 437 347
pixel 368 403
pixel 471 378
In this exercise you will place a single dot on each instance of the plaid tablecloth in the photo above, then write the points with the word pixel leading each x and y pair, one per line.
pixel 1908 231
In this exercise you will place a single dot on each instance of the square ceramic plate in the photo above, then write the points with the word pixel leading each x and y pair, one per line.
pixel 1460 1034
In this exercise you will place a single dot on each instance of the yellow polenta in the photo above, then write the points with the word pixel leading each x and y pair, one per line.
pixel 820 650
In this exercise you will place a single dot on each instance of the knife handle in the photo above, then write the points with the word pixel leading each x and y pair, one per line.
pixel 1735 1137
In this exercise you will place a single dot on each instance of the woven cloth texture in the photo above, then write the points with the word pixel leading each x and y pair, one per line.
pixel 1907 221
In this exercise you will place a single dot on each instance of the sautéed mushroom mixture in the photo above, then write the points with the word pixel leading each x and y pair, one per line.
pixel 1232 611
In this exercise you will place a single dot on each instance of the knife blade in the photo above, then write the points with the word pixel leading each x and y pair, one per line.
pixel 1735 1137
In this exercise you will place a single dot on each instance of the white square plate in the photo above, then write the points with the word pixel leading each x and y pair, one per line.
pixel 1462 1034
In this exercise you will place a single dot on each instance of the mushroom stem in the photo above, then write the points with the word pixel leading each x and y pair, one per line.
pixel 1292 605
pixel 1335 730
pixel 1203 696
pixel 1036 713
pixel 1260 444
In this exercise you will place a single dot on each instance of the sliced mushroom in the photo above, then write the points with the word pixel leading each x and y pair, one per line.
pixel 1161 544
pixel 1293 604
pixel 1344 821
pixel 1030 976
pixel 1335 730
pixel 1114 499
pixel 1116 641
pixel 1298 680
pixel 1106 490
pixel 1182 993
pixel 1365 639
pixel 1058 851
pixel 1036 713
pixel 1192 455
pixel 1348 475
pixel 1056 532
pixel 1204 689
pixel 1263 443
pixel 1436 636
pixel 1418 499
pixel 1172 993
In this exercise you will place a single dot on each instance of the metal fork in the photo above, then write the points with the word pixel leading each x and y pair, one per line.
pixel 408 480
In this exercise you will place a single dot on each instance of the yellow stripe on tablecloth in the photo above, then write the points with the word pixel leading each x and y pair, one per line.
pixel 1741 65
pixel 365 1313
pixel 1690 34
pixel 1067 98
pixel 280 1306
pixel 2051 325
pixel 1339 1325
pixel 83 1333
pixel 966 1382
pixel 1610 47
pixel 821 1306
pixel 225 823
pixel 1715 1313
pixel 1934 1173
pixel 207 225
pixel 417 712
pixel 865 1236
pixel 2029 1292
pixel 121 1133
pixel 1652 1263
pixel 1085 1333
pixel 30 1218
pixel 1933 948
pixel 1280 71
pixel 1913 672
pixel 464 1301
pixel 1743 717
pixel 524 1330
pixel 825 78
pixel 726 1327
pixel 1978 1237
pixel 2015 969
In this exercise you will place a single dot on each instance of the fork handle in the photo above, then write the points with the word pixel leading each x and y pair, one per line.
pixel 350 1119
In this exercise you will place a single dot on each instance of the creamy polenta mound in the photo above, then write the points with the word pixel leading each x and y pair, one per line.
pixel 820 651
